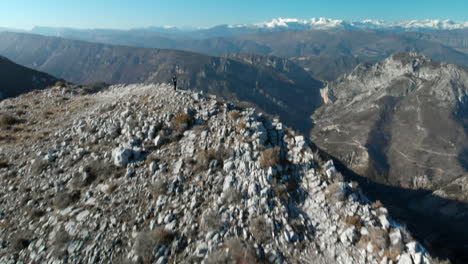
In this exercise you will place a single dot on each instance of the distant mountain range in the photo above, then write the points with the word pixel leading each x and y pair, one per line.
pixel 277 24
pixel 325 53
pixel 16 79
pixel 274 84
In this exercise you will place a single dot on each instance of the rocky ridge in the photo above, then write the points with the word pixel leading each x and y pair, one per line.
pixel 143 174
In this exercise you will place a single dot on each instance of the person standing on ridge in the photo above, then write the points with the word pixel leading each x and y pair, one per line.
pixel 174 81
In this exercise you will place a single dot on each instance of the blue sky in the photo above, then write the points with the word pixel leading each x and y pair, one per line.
pixel 202 13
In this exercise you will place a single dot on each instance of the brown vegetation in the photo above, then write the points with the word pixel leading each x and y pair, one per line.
pixel 64 199
pixel 7 120
pixel 157 188
pixel 234 115
pixel 204 158
pixel 354 220
pixel 270 157
pixel 335 193
pixel 182 121
pixel 377 204
pixel 260 229
pixel 146 241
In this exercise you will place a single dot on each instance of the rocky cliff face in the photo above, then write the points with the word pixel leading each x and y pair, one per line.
pixel 403 123
pixel 143 174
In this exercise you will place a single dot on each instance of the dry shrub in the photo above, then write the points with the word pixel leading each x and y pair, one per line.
pixel 94 87
pixel 60 84
pixel 182 121
pixel 392 253
pixel 355 186
pixel 232 196
pixel 281 191
pixel 234 251
pixel 270 157
pixel 338 177
pixel 95 171
pixel 36 213
pixel 147 241
pixel 47 114
pixel 354 220
pixel 4 164
pixel 234 115
pixel 64 199
pixel 38 166
pixel 378 238
pixel 7 120
pixel 210 221
pixel 59 243
pixel 20 112
pixel 260 229
pixel 101 170
pixel 241 126
pixel 335 193
pixel 152 158
pixel 111 188
pixel 21 240
pixel 240 252
pixel 204 158
pixel 377 204
pixel 157 188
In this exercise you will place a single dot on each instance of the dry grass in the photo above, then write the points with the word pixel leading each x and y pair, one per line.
pixel 237 252
pixel 182 121
pixel 35 213
pixel 355 186
pixel 111 188
pixel 39 166
pixel 157 188
pixel 60 84
pixel 59 243
pixel 47 115
pixel 260 229
pixel 270 157
pixel 240 252
pixel 281 191
pixel 210 221
pixel 234 115
pixel 335 193
pixel 152 158
pixel 3 164
pixel 20 240
pixel 232 196
pixel 377 204
pixel 378 238
pixel 98 171
pixel 392 253
pixel 146 241
pixel 101 171
pixel 204 158
pixel 354 220
pixel 64 199
pixel 241 126
pixel 7 120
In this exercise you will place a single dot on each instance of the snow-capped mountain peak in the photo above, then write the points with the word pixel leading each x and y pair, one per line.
pixel 431 24
pixel 366 24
